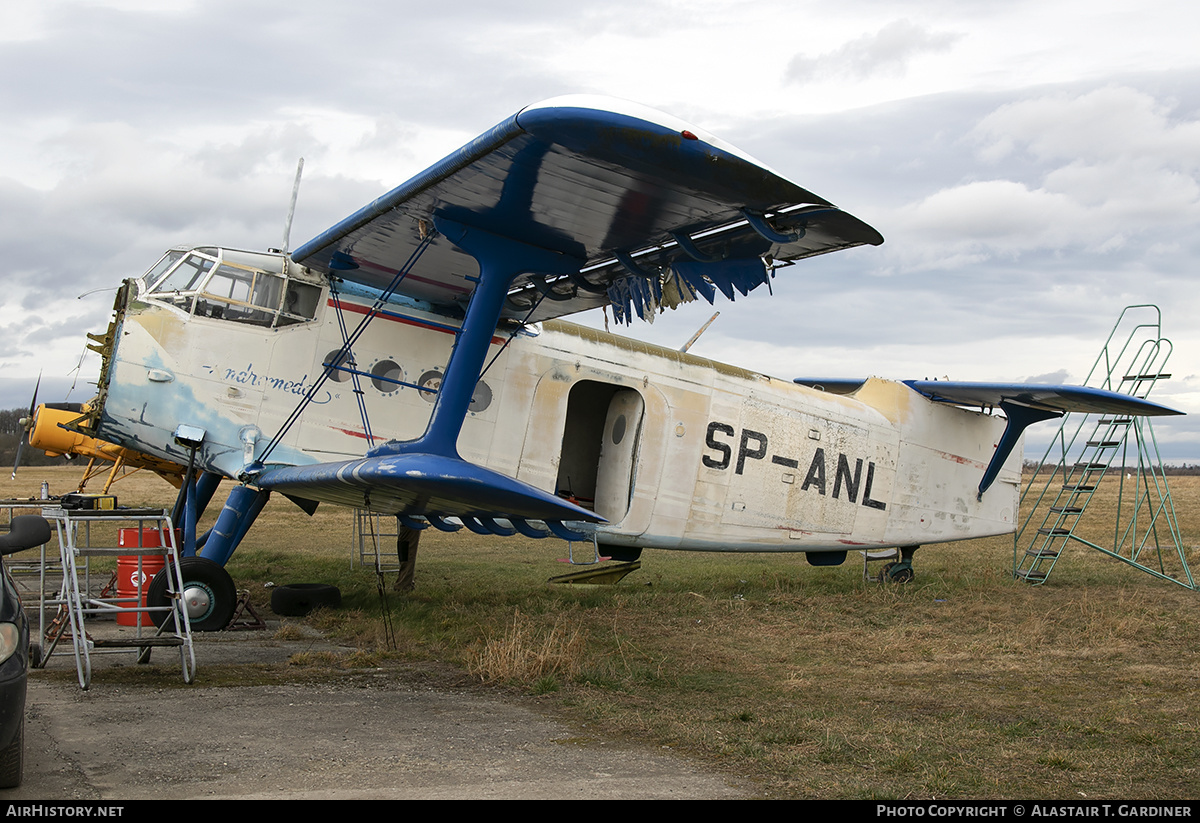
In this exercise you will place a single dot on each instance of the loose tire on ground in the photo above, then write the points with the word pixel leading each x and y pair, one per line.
pixel 209 593
pixel 298 599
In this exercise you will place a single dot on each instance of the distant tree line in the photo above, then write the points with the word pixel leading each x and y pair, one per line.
pixel 1182 469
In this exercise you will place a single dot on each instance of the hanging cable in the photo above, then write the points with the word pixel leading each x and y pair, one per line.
pixel 346 347
pixel 358 392
pixel 522 325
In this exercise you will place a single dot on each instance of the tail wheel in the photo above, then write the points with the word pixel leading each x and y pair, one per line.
pixel 901 572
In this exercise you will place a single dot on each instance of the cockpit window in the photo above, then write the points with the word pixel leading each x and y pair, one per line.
pixel 238 290
pixel 169 259
pixel 241 294
pixel 300 303
pixel 186 276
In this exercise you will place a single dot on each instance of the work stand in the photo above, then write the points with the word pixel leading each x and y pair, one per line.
pixel 131 537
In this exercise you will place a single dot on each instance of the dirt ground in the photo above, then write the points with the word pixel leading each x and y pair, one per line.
pixel 403 732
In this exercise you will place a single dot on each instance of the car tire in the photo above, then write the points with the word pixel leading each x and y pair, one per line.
pixel 12 760
pixel 298 599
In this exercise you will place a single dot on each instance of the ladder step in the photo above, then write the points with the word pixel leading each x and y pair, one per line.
pixel 139 642
pixel 1031 575
pixel 1146 377
pixel 1079 488
pixel 1104 444
pixel 1116 421
pixel 1042 555
pixel 1067 509
pixel 1055 532
pixel 1090 467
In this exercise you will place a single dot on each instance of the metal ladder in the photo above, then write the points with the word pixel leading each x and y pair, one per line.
pixel 1085 449
pixel 376 547
pixel 75 603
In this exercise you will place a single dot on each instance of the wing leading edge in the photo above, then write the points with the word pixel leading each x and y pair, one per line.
pixel 656 212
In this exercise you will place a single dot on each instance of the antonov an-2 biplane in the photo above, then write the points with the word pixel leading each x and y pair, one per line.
pixel 410 361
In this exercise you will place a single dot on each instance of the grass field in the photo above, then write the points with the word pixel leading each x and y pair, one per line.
pixel 811 681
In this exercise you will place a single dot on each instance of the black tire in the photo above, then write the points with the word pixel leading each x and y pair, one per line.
pixel 211 595
pixel 12 760
pixel 895 573
pixel 298 599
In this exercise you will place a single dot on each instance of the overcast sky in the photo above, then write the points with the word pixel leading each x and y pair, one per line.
pixel 1034 166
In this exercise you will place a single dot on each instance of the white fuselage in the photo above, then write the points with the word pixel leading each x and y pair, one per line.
pixel 675 451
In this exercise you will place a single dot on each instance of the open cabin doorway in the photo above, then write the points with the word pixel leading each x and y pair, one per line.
pixel 600 447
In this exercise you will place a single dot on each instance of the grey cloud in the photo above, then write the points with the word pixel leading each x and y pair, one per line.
pixel 192 68
pixel 1110 172
pixel 1058 377
pixel 887 51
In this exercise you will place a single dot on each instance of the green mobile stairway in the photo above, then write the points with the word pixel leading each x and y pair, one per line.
pixel 1112 461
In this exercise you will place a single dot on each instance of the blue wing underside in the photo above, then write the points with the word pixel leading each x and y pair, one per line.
pixel 424 484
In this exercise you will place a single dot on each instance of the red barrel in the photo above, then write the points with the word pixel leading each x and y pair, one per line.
pixel 132 584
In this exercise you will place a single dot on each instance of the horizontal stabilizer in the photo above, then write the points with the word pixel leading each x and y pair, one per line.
pixel 423 484
pixel 1052 398
pixel 1034 395
pixel 1023 404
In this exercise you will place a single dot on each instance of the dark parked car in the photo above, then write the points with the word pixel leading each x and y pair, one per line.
pixel 25 532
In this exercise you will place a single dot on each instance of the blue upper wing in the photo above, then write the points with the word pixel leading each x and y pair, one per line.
pixel 653 211
pixel 646 201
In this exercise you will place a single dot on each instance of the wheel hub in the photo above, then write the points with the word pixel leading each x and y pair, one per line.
pixel 198 600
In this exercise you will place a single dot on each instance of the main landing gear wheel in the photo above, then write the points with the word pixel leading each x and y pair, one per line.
pixel 209 595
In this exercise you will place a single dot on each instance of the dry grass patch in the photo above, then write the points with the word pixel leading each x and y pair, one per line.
pixel 337 660
pixel 289 631
pixel 528 654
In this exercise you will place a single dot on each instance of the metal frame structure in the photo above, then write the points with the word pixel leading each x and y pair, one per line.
pixel 1145 533
pixel 76 604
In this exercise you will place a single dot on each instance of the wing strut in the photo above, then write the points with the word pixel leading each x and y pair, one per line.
pixel 501 260
pixel 426 476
